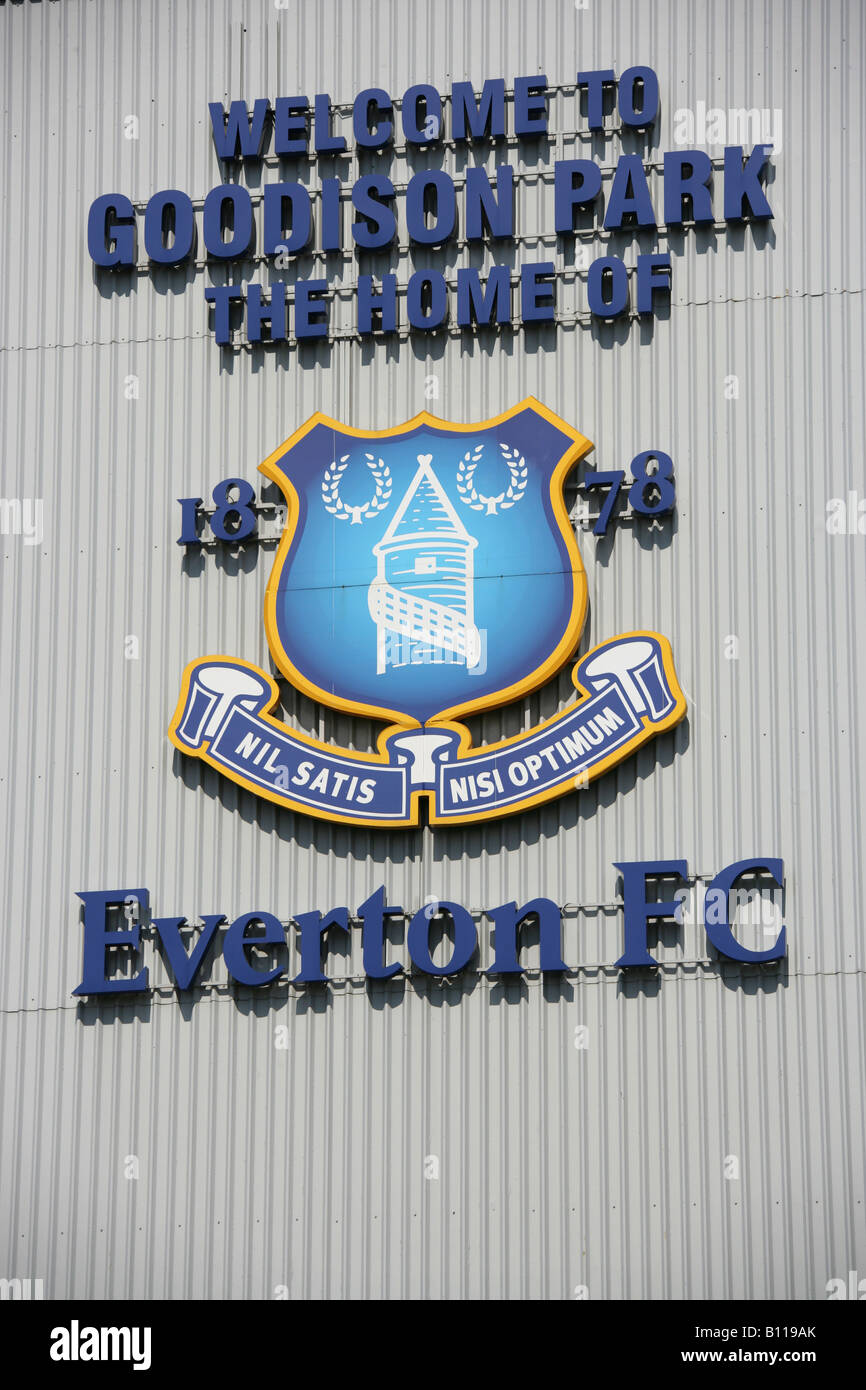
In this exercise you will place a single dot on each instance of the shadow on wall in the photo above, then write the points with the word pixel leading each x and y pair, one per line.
pixel 401 846
pixel 282 998
pixel 429 344
pixel 336 945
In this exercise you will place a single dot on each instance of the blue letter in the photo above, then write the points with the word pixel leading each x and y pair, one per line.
pixel 380 225
pixel 629 193
pixel 417 134
pixel 576 183
pixel 332 229
pixel 220 296
pixel 595 83
pixel 98 937
pixel 275 198
pixel 326 143
pixel 111 241
pixel 743 183
pixel 507 919
pixel 290 119
pixel 444 210
pixel 530 105
pixel 311 316
pixel 373 101
pixel 618 302
pixel 482 204
pixel 384 304
pixel 625 95
pixel 373 913
pixel 479 305
pixel 313 927
pixel 687 175
pixel 242 222
pixel 653 273
pixel 237 130
pixel 486 119
pixel 259 312
pixel 537 297
pixel 637 911
pixel 423 280
pixel 236 944
pixel 465 939
pixel 185 967
pixel 181 222
pixel 720 932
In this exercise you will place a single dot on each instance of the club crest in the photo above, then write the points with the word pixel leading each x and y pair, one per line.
pixel 426 573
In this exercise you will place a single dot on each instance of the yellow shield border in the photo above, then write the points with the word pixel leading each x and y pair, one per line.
pixel 567 644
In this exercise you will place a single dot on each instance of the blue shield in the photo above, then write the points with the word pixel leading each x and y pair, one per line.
pixel 427 571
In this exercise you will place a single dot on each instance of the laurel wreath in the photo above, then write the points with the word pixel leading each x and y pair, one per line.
pixel 342 510
pixel 518 475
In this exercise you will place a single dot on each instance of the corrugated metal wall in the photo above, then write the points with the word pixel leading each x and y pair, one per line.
pixel 311 1167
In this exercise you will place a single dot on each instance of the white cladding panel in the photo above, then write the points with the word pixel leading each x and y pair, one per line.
pixel 310 1167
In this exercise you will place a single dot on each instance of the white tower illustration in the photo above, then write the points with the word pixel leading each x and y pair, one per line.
pixel 423 590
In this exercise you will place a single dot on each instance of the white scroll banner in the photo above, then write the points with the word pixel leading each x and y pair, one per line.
pixel 629 691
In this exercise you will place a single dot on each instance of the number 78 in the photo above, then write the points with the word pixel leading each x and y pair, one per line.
pixel 660 482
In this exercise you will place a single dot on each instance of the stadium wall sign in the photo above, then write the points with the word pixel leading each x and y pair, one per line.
pixel 106 942
pixel 426 573
pixel 433 209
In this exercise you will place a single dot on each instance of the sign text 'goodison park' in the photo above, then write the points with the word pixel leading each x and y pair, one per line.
pixel 434 208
